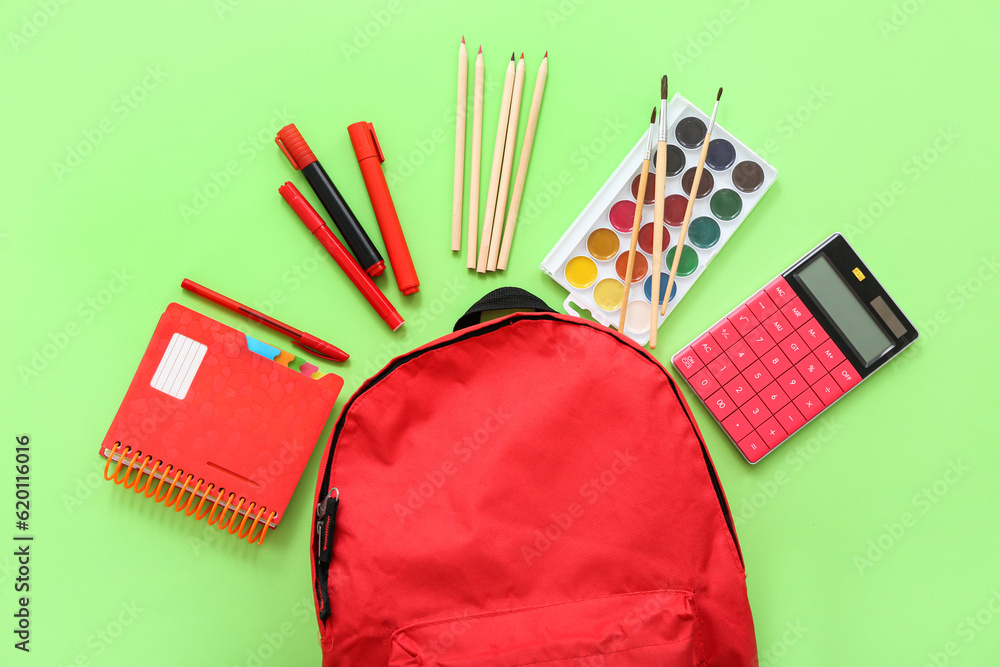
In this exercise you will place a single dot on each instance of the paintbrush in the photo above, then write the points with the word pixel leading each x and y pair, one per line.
pixel 661 183
pixel 643 177
pixel 694 193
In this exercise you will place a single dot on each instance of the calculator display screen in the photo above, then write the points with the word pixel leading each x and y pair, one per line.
pixel 844 308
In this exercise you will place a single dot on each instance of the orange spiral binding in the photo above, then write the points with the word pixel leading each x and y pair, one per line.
pixel 198 514
pixel 149 478
pixel 191 496
pixel 173 496
pixel 212 519
pixel 121 459
pixel 171 502
pixel 263 531
pixel 129 469
pixel 232 517
pixel 163 478
pixel 138 475
pixel 111 457
pixel 246 516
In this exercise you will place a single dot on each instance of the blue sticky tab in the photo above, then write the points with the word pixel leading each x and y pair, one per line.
pixel 261 348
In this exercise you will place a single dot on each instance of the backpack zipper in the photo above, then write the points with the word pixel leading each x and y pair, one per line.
pixel 326 509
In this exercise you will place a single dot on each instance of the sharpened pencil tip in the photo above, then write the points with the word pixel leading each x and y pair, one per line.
pixel 663 87
pixel 719 96
pixel 480 50
pixel 511 55
pixel 463 39
pixel 652 117
pixel 522 55
pixel 546 55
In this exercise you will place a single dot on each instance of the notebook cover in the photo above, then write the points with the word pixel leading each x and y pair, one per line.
pixel 203 402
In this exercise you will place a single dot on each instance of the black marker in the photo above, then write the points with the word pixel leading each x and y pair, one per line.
pixel 297 151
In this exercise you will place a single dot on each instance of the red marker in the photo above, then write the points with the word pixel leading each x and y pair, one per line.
pixel 307 342
pixel 314 223
pixel 370 159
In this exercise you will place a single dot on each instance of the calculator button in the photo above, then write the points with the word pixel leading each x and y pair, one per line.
pixel 759 341
pixel 761 305
pixel 720 404
pixel 757 376
pixel 845 376
pixel 810 369
pixel 706 347
pixel 813 334
pixel 687 362
pixel 777 326
pixel 737 426
pixel 829 355
pixel 827 389
pixel 724 334
pixel 779 291
pixel 808 404
pixel 790 419
pixel 722 368
pixel 794 348
pixel 739 390
pixel 776 362
pixel 743 320
pixel 753 447
pixel 704 384
pixel 792 383
pixel 755 411
pixel 741 354
pixel 774 397
pixel 795 312
pixel 771 433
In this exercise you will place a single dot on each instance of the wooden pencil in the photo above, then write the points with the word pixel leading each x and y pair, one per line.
pixel 522 167
pixel 491 192
pixel 693 195
pixel 637 218
pixel 456 204
pixel 508 164
pixel 661 183
pixel 477 155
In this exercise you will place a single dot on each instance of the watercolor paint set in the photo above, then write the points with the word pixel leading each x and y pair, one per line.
pixel 590 260
pixel 795 347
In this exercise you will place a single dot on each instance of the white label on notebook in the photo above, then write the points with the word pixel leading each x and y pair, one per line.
pixel 178 366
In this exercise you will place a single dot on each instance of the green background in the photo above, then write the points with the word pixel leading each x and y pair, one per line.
pixel 879 116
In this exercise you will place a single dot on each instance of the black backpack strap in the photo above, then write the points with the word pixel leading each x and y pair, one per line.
pixel 502 298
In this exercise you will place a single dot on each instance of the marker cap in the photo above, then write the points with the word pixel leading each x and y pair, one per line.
pixel 294 147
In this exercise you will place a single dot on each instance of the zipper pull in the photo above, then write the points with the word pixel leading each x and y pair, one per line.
pixel 326 517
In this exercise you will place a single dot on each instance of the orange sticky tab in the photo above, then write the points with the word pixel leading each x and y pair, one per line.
pixel 284 358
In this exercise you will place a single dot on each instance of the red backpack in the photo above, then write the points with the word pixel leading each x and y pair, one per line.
pixel 531 490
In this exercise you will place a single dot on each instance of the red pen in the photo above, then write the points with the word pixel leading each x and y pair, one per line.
pixel 370 159
pixel 315 224
pixel 307 342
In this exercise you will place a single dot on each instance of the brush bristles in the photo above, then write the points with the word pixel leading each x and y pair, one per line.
pixel 719 96
pixel 652 117
pixel 663 87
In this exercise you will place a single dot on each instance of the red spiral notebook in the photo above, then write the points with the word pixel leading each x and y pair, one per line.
pixel 218 423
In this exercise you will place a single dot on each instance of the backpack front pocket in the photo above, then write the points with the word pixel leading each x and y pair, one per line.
pixel 648 628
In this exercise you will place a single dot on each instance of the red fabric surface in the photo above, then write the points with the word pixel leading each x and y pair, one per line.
pixel 537 493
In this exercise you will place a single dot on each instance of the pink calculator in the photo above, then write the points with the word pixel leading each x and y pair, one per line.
pixel 794 347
